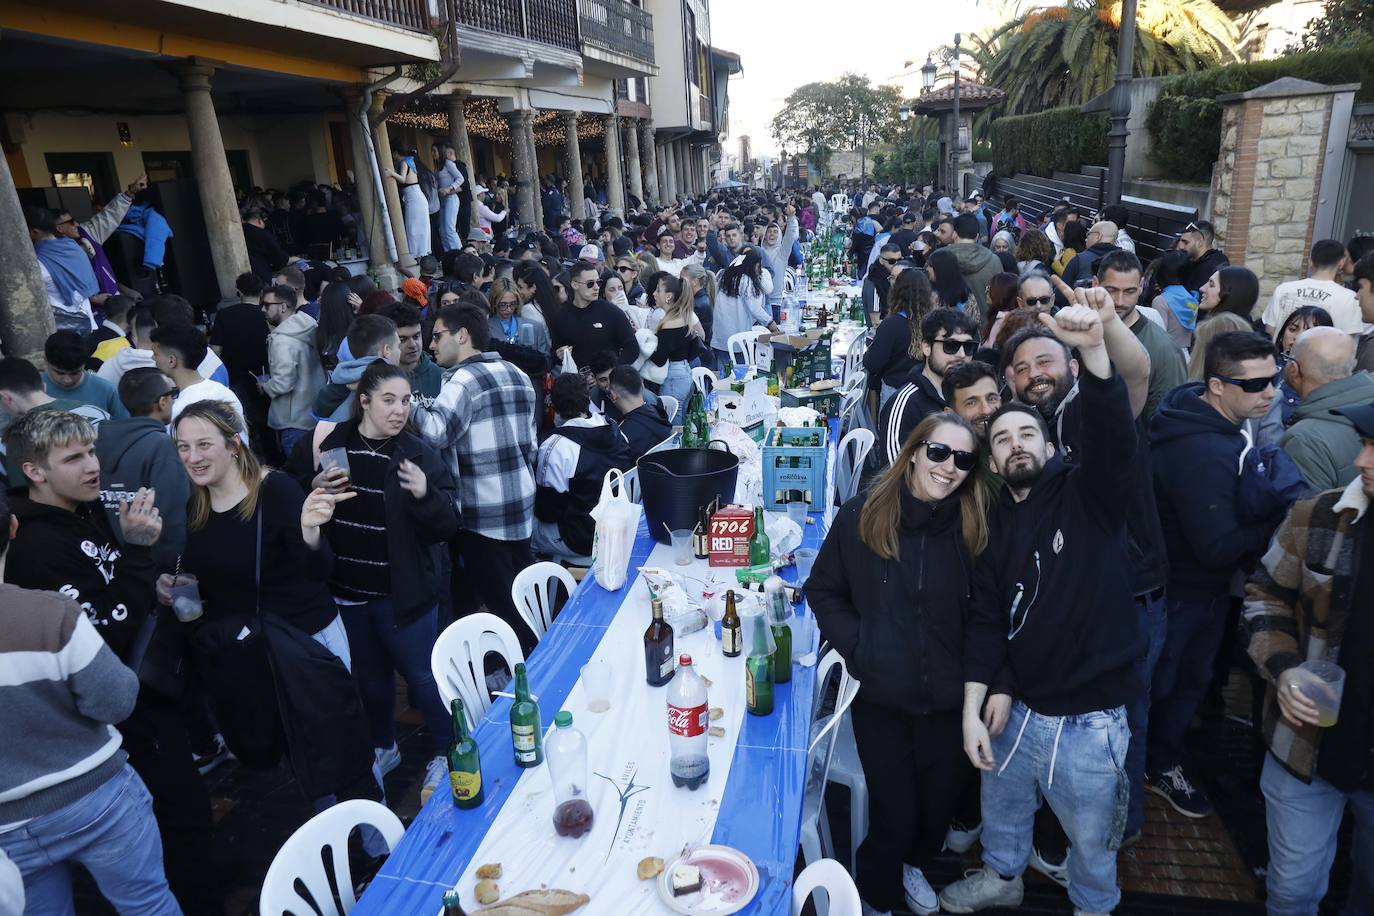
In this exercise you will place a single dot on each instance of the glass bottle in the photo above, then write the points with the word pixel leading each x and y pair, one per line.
pixel 525 728
pixel 464 762
pixel 453 906
pixel 730 635
pixel 658 647
pixel 758 671
pixel 572 812
pixel 778 613
pixel 701 540
pixel 760 549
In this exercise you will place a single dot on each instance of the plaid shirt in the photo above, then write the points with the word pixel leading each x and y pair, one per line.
pixel 1297 604
pixel 482 423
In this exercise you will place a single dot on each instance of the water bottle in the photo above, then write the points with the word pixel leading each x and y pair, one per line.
pixel 566 752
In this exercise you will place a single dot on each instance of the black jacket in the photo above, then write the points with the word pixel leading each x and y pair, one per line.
pixel 265 253
pixel 904 411
pixel 600 326
pixel 600 448
pixel 1198 272
pixel 1085 263
pixel 1051 595
pixel 645 427
pixel 888 360
pixel 137 452
pixel 76 554
pixel 1197 472
pixel 898 624
pixel 416 528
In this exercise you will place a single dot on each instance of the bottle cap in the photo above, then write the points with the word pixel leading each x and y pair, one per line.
pixel 563 719
pixel 684 659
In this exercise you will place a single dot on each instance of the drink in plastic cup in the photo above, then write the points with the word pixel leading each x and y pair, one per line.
pixel 186 598
pixel 335 458
pixel 1323 683
pixel 805 558
pixel 682 546
pixel 796 511
pixel 596 684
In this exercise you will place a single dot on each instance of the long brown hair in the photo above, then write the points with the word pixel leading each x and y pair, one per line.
pixel 882 512
pixel 222 416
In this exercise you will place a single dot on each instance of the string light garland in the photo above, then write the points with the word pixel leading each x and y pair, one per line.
pixel 486 122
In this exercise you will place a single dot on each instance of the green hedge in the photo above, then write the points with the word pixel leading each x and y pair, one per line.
pixel 1185 120
pixel 1059 139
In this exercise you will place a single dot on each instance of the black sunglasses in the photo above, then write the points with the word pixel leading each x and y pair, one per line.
pixel 889 261
pixel 952 347
pixel 1251 385
pixel 937 452
pixel 1039 300
pixel 626 269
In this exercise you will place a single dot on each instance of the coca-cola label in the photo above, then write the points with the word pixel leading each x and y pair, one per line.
pixel 687 721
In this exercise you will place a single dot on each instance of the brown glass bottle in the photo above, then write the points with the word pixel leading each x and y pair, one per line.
pixel 658 648
pixel 731 635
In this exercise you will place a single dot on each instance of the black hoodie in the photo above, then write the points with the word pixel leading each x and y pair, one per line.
pixel 1197 273
pixel 137 452
pixel 904 411
pixel 1197 472
pixel 1051 594
pixel 76 554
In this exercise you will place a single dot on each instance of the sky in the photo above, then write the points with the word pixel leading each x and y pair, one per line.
pixel 785 45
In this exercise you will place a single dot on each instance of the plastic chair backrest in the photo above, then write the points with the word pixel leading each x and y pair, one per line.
pixel 831 877
pixel 848 688
pixel 849 462
pixel 854 359
pixel 670 407
pixel 704 378
pixel 458 659
pixel 741 347
pixel 534 597
pixel 302 858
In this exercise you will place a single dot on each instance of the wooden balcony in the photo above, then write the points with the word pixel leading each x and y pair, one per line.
pixel 550 22
pixel 407 14
pixel 619 27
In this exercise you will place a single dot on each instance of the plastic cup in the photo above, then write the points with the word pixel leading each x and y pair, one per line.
pixel 186 598
pixel 740 372
pixel 596 684
pixel 682 546
pixel 1323 683
pixel 335 458
pixel 805 558
pixel 796 511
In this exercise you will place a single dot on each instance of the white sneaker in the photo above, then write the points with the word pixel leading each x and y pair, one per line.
pixel 436 774
pixel 960 839
pixel 385 760
pixel 921 898
pixel 1056 872
pixel 980 889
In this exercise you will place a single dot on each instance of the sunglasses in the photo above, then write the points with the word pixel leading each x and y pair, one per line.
pixel 889 261
pixel 937 452
pixel 952 347
pixel 1251 385
pixel 626 269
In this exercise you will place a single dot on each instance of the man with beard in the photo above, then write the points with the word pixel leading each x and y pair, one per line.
pixel 1119 273
pixel 946 341
pixel 1068 639
pixel 971 391
pixel 878 281
pixel 1044 377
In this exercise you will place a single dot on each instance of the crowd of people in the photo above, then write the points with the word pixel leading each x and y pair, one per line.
pixel 1079 506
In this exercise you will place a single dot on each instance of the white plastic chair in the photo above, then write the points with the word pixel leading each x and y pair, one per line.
pixel 302 858
pixel 458 659
pixel 533 594
pixel 704 378
pixel 741 347
pixel 670 406
pixel 854 358
pixel 841 897
pixel 631 478
pixel 849 463
pixel 846 770
pixel 815 829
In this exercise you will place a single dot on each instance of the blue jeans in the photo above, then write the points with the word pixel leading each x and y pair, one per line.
pixel 1153 624
pixel 1076 763
pixel 380 648
pixel 1195 625
pixel 1303 820
pixel 448 226
pixel 112 833
pixel 677 384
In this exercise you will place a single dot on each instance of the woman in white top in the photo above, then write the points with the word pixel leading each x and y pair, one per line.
pixel 666 262
pixel 486 216
pixel 613 291
pixel 741 301
pixel 414 202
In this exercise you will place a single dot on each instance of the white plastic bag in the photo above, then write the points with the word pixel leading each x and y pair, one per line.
pixel 617 523
pixel 568 364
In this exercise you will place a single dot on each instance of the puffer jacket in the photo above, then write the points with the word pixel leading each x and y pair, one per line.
pixel 296 373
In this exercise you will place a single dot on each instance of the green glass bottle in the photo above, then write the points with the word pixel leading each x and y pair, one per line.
pixel 691 430
pixel 525 728
pixel 464 762
pixel 778 612
pixel 758 672
pixel 760 549
pixel 453 905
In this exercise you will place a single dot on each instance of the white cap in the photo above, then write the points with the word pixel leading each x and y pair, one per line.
pixel 589 253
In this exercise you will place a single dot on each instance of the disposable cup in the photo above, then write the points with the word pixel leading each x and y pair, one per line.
pixel 1323 683
pixel 335 458
pixel 186 598
pixel 596 684
pixel 796 511
pixel 682 546
pixel 805 558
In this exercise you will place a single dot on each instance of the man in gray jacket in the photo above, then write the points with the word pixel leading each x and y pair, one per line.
pixel 1322 443
pixel 296 374
pixel 976 263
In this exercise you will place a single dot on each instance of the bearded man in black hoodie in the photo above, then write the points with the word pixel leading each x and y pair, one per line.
pixel 1052 607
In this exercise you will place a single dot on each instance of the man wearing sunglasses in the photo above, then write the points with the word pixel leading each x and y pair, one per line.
pixel 1197 439
pixel 947 341
pixel 592 324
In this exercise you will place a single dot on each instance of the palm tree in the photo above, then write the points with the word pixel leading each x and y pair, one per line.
pixel 1065 55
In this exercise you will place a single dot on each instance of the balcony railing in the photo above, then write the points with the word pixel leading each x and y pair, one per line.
pixel 551 22
pixel 705 110
pixel 408 14
pixel 618 26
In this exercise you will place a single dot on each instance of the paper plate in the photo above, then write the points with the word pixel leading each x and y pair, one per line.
pixel 729 881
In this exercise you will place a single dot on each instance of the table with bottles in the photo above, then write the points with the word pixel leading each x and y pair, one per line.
pixel 751 800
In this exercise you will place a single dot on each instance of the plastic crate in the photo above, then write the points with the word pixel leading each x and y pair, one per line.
pixel 790 462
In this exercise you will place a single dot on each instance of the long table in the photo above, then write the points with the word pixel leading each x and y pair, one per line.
pixel 759 812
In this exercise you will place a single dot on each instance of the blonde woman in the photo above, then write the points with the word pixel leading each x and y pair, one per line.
pixel 681 339
pixel 508 324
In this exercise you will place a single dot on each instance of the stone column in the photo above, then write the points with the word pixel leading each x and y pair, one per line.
pixel 365 178
pixel 26 317
pixel 458 129
pixel 707 180
pixel 653 187
pixel 670 172
pixel 632 166
pixel 382 142
pixel 615 179
pixel 228 250
pixel 522 168
pixel 682 159
pixel 577 192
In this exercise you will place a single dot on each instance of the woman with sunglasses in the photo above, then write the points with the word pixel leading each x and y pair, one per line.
pixel 628 271
pixel 509 324
pixel 891 589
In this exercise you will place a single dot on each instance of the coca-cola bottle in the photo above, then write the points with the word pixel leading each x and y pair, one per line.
pixel 687 718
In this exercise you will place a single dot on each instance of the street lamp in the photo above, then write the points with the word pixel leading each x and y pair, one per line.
pixel 954 140
pixel 928 70
pixel 1121 104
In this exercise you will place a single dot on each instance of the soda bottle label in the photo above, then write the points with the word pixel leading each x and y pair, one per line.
pixel 524 742
pixel 687 721
pixel 465 785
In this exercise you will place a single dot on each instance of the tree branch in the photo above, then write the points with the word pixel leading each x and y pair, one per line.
pixel 449 60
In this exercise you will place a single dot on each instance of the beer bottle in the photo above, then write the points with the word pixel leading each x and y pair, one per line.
pixel 658 647
pixel 778 612
pixel 464 762
pixel 760 549
pixel 525 727
pixel 701 540
pixel 730 636
pixel 758 671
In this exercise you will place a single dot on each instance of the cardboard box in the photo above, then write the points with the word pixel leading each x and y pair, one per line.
pixel 748 410
pixel 826 401
pixel 728 536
